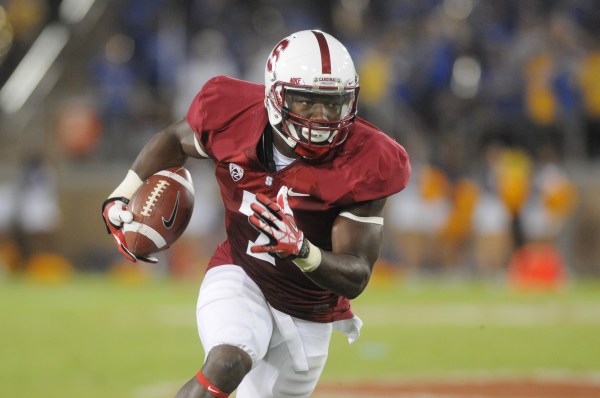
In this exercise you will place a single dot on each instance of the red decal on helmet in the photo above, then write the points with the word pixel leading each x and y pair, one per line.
pixel 325 57
pixel 275 53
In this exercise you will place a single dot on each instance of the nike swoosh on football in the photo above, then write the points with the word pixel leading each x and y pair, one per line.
pixel 169 223
pixel 292 193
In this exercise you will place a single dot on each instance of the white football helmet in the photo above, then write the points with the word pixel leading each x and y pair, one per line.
pixel 308 63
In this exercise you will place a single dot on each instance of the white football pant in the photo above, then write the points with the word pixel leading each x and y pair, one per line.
pixel 288 354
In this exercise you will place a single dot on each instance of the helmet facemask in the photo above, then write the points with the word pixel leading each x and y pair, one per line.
pixel 312 137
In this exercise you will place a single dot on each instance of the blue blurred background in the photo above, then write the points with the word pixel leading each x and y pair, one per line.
pixel 497 102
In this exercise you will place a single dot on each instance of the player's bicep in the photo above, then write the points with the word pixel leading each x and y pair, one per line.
pixel 189 142
pixel 358 231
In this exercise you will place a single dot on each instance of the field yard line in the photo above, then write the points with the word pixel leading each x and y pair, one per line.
pixel 394 314
pixel 175 315
pixel 582 313
pixel 162 389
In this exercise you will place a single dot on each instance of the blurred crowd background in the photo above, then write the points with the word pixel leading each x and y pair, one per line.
pixel 496 101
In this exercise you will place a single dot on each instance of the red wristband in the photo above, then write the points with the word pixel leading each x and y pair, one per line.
pixel 214 390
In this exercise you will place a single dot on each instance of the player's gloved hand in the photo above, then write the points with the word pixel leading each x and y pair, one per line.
pixel 115 214
pixel 276 220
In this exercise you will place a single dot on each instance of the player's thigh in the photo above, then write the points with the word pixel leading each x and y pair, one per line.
pixel 232 310
pixel 274 376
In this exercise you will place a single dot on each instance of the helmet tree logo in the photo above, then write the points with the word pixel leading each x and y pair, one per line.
pixel 275 54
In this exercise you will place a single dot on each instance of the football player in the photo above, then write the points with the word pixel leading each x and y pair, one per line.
pixel 303 182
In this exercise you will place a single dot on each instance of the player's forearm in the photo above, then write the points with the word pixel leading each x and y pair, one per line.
pixel 342 274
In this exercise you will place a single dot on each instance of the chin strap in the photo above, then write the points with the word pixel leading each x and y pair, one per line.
pixel 291 143
pixel 211 388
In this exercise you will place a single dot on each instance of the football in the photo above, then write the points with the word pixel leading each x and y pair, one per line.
pixel 162 208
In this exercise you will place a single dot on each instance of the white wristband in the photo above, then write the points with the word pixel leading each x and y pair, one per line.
pixel 312 262
pixel 127 188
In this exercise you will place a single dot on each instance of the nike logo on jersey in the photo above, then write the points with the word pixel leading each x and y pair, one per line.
pixel 292 193
pixel 169 223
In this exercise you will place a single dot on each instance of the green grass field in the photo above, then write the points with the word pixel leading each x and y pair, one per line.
pixel 94 337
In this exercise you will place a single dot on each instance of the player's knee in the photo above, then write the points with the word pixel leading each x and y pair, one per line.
pixel 226 366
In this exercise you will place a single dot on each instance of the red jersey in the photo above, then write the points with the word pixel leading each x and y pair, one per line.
pixel 229 118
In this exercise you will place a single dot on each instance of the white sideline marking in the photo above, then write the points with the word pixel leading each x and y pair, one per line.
pixel 163 389
pixel 447 314
pixel 581 313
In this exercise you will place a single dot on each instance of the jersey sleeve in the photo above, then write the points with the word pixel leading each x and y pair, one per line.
pixel 390 173
pixel 376 168
pixel 197 116
pixel 218 105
